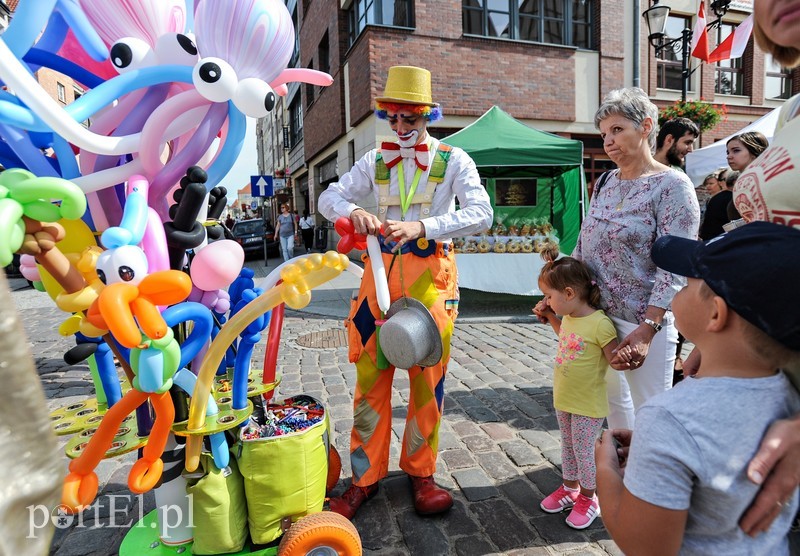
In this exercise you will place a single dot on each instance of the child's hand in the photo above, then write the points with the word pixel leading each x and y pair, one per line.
pixel 543 311
pixel 611 450
pixel 622 359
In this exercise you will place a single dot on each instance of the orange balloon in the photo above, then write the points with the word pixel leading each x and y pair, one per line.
pixel 114 305
pixel 166 287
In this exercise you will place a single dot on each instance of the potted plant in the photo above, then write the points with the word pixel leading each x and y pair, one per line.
pixel 701 112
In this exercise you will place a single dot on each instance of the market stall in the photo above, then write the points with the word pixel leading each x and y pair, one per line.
pixel 536 185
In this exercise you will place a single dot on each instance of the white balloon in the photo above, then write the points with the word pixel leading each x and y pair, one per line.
pixel 215 79
pixel 378 273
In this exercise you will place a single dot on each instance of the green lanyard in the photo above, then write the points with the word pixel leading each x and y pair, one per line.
pixel 405 199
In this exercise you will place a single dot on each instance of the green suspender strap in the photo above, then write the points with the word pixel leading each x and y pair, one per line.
pixel 424 197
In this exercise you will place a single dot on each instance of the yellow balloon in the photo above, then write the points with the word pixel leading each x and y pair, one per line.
pixel 78 236
pixel 298 279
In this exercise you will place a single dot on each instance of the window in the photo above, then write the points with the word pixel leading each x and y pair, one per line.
pixel 668 65
pixel 730 76
pixel 296 25
pixel 295 121
pixel 78 93
pixel 324 54
pixel 392 13
pixel 62 92
pixel 567 22
pixel 778 83
pixel 309 90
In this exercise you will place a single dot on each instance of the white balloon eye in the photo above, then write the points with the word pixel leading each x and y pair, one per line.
pixel 126 264
pixel 176 49
pixel 254 98
pixel 215 79
pixel 131 53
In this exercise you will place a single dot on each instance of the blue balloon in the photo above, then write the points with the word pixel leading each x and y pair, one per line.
pixel 201 330
pixel 31 157
pixel 31 17
pixel 66 158
pixel 41 57
pixel 230 150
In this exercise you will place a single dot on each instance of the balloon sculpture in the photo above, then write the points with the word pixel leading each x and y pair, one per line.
pixel 138 161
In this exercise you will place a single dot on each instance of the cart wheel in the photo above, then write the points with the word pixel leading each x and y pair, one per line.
pixel 334 469
pixel 321 534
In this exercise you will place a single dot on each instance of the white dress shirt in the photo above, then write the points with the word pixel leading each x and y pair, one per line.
pixel 445 222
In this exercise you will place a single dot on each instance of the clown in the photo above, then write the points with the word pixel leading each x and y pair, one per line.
pixel 414 182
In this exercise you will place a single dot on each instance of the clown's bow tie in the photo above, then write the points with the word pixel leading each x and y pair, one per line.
pixel 392 153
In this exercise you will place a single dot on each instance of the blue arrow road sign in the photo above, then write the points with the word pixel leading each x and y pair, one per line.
pixel 261 186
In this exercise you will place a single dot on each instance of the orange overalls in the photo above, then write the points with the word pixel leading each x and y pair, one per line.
pixel 429 276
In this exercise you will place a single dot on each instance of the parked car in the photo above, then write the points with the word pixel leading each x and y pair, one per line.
pixel 251 234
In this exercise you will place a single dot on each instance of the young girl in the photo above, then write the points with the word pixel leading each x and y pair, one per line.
pixel 744 149
pixel 587 340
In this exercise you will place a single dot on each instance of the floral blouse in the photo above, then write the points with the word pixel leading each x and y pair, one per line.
pixel 625 218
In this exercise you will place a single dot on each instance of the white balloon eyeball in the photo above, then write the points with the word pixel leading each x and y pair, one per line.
pixel 130 53
pixel 254 98
pixel 215 79
pixel 127 264
pixel 176 49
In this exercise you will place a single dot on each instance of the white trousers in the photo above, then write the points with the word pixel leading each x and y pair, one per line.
pixel 628 390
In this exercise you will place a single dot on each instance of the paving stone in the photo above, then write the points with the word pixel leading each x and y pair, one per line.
pixel 479 443
pixel 474 546
pixel 459 519
pixel 375 524
pixel 498 431
pixel 424 535
pixel 540 439
pixel 497 465
pixel 521 453
pixel 448 440
pixel 457 459
pixel 481 414
pixel 520 492
pixel 475 484
pixel 503 524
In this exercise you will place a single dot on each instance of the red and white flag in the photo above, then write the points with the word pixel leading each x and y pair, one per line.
pixel 700 34
pixel 734 45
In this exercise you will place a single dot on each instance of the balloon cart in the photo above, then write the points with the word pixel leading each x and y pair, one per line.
pixel 287 470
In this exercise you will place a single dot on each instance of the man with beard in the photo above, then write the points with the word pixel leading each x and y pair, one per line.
pixel 675 139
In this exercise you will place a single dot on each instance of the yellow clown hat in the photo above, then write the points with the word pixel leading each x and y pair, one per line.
pixel 408 85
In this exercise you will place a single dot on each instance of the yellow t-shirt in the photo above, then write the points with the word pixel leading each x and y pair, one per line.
pixel 579 384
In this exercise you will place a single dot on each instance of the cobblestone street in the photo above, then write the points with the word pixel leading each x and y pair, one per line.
pixel 499 445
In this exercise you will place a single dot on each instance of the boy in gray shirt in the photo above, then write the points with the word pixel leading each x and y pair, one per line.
pixel 684 485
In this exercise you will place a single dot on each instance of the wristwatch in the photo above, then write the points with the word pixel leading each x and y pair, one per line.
pixel 656 326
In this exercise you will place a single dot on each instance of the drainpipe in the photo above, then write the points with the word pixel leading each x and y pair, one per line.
pixel 636 47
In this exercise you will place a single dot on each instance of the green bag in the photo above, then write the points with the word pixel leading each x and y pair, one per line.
pixel 284 476
pixel 219 509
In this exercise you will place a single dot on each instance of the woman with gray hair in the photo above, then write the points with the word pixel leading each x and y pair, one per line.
pixel 631 207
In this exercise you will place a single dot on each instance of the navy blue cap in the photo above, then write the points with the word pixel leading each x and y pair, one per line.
pixel 755 269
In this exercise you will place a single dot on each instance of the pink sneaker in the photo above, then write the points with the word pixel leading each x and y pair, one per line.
pixel 584 512
pixel 560 500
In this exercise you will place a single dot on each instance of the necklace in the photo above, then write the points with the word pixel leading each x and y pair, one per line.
pixel 624 196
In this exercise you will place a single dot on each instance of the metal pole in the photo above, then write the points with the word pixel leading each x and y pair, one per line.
pixel 685 73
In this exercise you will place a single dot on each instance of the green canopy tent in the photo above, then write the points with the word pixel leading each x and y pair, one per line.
pixel 505 149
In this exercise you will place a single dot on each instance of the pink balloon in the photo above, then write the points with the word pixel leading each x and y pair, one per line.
pixel 28 268
pixel 154 243
pixel 217 265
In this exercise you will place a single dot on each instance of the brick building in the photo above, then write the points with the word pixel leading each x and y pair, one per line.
pixel 548 63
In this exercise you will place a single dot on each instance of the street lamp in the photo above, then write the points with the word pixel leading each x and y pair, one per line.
pixel 656 18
